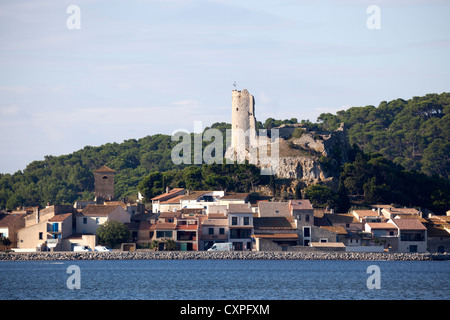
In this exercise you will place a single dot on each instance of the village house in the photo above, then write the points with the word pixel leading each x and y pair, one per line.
pixel 412 235
pixel 10 223
pixel 390 212
pixel 303 212
pixel 234 198
pixel 165 197
pixel 275 233
pixel 188 232
pixel 240 224
pixel 368 216
pixel 37 233
pixel 214 229
pixel 438 233
pixel 346 220
pixel 200 199
pixel 92 216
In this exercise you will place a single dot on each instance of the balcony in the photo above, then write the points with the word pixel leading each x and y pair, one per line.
pixel 186 238
pixel 51 243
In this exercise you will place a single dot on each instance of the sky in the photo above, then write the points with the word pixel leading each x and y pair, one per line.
pixel 135 68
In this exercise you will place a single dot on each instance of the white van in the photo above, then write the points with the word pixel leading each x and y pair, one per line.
pixel 226 246
pixel 102 248
pixel 82 248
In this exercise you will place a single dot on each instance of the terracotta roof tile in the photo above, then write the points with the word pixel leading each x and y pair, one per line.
pixel 60 217
pixel 98 210
pixel 104 169
pixel 408 224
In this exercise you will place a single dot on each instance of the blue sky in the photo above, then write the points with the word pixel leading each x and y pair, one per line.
pixel 136 68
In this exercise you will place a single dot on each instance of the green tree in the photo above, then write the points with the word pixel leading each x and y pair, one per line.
pixel 171 245
pixel 112 233
pixel 322 196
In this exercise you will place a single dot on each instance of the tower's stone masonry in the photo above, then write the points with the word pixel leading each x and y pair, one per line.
pixel 243 120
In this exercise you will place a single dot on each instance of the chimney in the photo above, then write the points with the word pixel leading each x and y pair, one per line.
pixel 167 189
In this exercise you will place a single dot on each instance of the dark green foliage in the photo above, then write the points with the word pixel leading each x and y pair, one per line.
pixel 113 233
pixel 227 177
pixel 414 133
pixel 382 181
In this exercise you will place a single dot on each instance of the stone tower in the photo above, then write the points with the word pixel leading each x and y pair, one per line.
pixel 243 121
pixel 104 183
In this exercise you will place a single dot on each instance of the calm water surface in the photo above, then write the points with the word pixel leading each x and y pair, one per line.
pixel 224 279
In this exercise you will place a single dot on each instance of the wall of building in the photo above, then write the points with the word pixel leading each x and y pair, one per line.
pixel 28 237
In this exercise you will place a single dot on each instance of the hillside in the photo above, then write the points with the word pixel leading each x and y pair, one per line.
pixel 412 134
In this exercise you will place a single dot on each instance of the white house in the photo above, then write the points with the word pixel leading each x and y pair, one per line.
pixel 92 216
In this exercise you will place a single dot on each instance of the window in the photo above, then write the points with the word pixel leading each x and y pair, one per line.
pixel 41 235
pixel 307 232
pixel 307 218
pixel 222 231
pixel 323 240
pixel 164 234
pixel 234 221
pixel 84 220
pixel 210 230
pixel 246 221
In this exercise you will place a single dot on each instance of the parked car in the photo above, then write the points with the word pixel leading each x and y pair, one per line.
pixel 82 248
pixel 226 246
pixel 102 248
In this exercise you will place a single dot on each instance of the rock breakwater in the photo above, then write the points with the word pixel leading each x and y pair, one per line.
pixel 233 255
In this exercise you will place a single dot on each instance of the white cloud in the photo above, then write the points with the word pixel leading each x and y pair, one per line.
pixel 10 110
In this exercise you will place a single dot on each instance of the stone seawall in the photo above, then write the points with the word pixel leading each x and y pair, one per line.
pixel 234 255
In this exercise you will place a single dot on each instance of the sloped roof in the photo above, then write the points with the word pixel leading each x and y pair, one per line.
pixel 304 204
pixel 168 195
pixel 334 218
pixel 239 208
pixel 366 213
pixel 381 225
pixel 98 209
pixel 272 223
pixel 9 218
pixel 338 230
pixel 273 209
pixel 163 226
pixel 60 217
pixel 408 224
pixel 193 195
pixel 104 169
pixel 235 196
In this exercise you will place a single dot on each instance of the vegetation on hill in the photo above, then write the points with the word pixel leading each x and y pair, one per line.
pixel 401 156
pixel 412 133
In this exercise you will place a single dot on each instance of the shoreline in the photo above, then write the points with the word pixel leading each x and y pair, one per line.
pixel 232 255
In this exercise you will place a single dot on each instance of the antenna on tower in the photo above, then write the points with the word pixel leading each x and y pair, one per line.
pixel 234 84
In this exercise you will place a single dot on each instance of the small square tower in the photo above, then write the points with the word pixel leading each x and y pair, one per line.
pixel 104 183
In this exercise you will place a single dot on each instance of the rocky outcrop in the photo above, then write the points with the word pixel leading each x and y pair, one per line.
pixel 308 156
